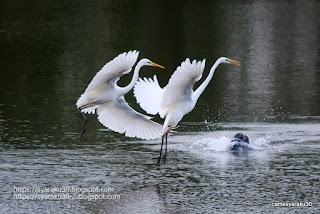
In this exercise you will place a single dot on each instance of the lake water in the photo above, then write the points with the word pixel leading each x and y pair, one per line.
pixel 51 50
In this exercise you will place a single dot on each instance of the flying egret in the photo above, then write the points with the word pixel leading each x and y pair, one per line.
pixel 105 97
pixel 177 98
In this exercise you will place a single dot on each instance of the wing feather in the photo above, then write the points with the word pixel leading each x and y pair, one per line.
pixel 105 80
pixel 120 117
pixel 180 86
pixel 113 70
pixel 148 94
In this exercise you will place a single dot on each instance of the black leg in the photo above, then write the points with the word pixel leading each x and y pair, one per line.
pixel 166 150
pixel 159 158
pixel 84 121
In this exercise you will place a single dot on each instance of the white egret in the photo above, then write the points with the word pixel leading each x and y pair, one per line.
pixel 177 98
pixel 105 97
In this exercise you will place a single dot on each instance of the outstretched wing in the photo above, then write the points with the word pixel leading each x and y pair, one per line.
pixel 105 79
pixel 180 86
pixel 120 117
pixel 113 70
pixel 148 94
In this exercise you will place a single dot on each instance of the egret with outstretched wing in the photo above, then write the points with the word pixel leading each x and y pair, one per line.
pixel 177 98
pixel 105 97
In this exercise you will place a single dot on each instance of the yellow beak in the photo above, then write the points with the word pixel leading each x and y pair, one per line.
pixel 156 65
pixel 234 62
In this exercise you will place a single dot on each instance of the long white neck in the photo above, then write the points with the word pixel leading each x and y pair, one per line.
pixel 202 87
pixel 135 77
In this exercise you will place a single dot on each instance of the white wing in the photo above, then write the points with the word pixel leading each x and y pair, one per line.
pixel 148 94
pixel 120 117
pixel 113 70
pixel 105 79
pixel 180 86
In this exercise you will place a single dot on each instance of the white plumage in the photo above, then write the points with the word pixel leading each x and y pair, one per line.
pixel 154 99
pixel 112 71
pixel 177 98
pixel 180 86
pixel 102 87
pixel 149 94
pixel 106 98
pixel 118 116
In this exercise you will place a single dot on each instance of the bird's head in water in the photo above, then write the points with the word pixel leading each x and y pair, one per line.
pixel 241 137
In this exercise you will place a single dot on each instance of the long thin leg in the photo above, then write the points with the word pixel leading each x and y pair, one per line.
pixel 83 117
pixel 84 121
pixel 159 158
pixel 166 150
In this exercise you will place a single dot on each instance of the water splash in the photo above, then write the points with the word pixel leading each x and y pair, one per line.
pixel 217 144
pixel 261 142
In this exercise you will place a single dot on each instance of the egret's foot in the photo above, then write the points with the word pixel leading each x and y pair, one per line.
pixel 83 127
pixel 161 159
pixel 84 121
pixel 164 159
pixel 158 160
